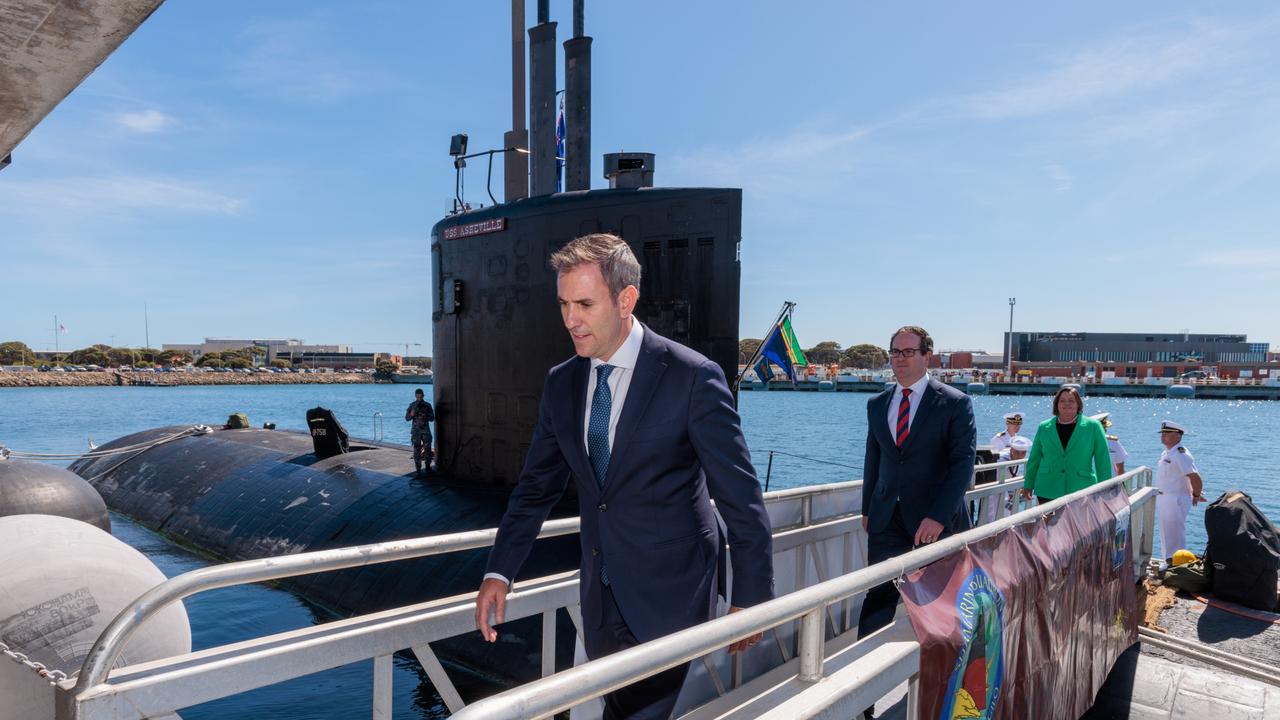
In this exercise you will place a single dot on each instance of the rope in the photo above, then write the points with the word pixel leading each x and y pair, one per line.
pixel 1259 615
pixel 20 455
pixel 815 460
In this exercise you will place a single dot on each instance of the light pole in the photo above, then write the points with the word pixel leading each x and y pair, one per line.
pixel 1008 352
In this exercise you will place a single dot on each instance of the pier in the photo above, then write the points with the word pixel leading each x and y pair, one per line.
pixel 1236 389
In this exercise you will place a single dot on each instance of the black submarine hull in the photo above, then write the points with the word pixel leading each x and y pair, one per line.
pixel 248 493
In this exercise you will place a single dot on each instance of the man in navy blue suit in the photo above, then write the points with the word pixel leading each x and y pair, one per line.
pixel 921 444
pixel 648 432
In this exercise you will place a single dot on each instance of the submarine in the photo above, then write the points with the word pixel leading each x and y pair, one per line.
pixel 237 494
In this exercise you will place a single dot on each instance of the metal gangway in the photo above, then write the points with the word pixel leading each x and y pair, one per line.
pixel 810 663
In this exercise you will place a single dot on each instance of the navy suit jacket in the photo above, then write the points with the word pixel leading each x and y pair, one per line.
pixel 678 444
pixel 930 473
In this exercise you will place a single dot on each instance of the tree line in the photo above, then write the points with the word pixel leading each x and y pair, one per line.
pixel 19 353
pixel 828 352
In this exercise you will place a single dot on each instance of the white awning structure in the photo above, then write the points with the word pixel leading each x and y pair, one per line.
pixel 48 47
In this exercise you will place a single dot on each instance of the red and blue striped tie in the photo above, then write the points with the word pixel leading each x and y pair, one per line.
pixel 904 416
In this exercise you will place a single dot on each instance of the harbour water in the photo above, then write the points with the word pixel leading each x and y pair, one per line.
pixel 815 438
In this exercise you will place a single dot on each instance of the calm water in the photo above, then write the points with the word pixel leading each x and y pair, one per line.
pixel 1232 443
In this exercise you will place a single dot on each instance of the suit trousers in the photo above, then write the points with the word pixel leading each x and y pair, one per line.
pixel 881 602
pixel 650 699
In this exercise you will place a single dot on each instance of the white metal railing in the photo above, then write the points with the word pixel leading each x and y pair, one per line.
pixel 576 685
pixel 801 516
pixel 817 536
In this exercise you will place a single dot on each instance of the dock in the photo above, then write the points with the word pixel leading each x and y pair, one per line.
pixel 1242 389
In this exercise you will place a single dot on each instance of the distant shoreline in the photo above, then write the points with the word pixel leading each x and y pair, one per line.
pixel 111 378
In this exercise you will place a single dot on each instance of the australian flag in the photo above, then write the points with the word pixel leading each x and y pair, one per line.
pixel 560 148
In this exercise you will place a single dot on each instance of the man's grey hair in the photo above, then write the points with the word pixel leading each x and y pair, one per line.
pixel 617 263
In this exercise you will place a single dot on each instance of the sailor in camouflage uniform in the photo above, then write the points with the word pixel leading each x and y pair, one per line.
pixel 420 414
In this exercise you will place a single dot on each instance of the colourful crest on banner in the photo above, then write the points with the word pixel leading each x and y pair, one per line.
pixel 975 682
pixel 1027 623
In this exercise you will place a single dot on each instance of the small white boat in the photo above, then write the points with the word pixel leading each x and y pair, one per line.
pixel 412 374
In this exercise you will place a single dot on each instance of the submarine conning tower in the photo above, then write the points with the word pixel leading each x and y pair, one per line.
pixel 496 325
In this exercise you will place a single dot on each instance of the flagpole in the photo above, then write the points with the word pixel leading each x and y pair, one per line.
pixel 56 349
pixel 787 306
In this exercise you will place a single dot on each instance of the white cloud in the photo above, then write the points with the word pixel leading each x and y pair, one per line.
pixel 1061 178
pixel 1250 258
pixel 791 163
pixel 1156 125
pixel 302 60
pixel 145 122
pixel 1120 67
pixel 89 197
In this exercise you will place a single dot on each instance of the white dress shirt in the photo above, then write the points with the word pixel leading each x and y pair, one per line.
pixel 623 361
pixel 917 391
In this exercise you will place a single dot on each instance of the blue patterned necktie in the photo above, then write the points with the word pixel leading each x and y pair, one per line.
pixel 598 435
pixel 598 426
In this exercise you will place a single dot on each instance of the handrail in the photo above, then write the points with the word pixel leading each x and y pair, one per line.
pixel 998 465
pixel 106 650
pixel 812 491
pixel 595 678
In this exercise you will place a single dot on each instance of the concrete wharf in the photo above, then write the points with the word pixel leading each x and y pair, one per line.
pixel 1245 389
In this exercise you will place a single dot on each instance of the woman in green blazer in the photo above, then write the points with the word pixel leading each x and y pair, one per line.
pixel 1069 452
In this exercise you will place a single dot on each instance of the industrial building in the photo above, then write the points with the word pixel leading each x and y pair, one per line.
pixel 1138 355
pixel 287 349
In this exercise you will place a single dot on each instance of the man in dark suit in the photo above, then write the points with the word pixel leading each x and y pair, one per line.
pixel 647 429
pixel 921 443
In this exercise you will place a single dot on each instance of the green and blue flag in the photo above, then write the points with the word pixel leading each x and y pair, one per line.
pixel 782 349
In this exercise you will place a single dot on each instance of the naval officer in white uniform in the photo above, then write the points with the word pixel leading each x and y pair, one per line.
pixel 1178 481
pixel 1118 453
pixel 1018 448
pixel 1012 424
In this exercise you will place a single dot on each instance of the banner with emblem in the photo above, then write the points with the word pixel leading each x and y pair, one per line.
pixel 1027 623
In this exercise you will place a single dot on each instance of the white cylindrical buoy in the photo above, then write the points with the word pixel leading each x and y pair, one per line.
pixel 64 582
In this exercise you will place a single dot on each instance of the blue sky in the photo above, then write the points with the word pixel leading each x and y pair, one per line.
pixel 273 169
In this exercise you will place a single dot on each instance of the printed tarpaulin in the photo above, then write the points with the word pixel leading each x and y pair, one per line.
pixel 1027 623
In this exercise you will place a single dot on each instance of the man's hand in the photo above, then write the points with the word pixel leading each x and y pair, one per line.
pixel 866 523
pixel 929 531
pixel 744 643
pixel 1024 493
pixel 493 595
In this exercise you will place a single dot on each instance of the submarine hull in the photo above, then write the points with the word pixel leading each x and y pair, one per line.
pixel 248 493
